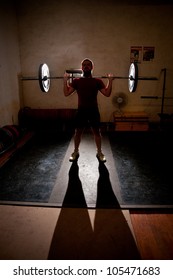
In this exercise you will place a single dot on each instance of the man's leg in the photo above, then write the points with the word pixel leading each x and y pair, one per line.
pixel 98 141
pixel 77 138
pixel 97 138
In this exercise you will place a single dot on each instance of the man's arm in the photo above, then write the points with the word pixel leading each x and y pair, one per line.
pixel 67 88
pixel 108 89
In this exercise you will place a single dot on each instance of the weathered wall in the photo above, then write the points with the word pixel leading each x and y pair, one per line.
pixel 9 65
pixel 62 33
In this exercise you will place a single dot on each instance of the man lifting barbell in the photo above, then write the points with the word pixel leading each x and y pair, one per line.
pixel 87 89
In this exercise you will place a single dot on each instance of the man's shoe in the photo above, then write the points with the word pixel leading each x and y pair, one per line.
pixel 74 156
pixel 101 157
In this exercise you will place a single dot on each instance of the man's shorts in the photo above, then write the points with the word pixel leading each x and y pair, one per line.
pixel 87 117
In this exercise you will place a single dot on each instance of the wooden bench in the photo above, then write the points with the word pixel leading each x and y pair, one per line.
pixel 131 121
pixel 4 157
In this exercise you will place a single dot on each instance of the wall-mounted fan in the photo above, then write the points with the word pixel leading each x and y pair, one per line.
pixel 120 100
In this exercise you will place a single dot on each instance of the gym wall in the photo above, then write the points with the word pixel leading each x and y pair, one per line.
pixel 9 64
pixel 62 33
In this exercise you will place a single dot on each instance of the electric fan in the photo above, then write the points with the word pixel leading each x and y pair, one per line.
pixel 119 100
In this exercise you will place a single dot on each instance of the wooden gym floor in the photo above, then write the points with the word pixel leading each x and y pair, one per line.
pixel 154 233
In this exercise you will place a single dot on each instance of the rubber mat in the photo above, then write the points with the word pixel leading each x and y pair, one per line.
pixel 143 164
pixel 30 175
pixel 137 174
pixel 42 175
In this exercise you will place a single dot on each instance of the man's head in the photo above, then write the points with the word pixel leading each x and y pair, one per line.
pixel 87 67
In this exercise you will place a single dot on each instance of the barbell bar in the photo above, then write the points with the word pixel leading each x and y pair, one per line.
pixel 44 77
pixel 103 77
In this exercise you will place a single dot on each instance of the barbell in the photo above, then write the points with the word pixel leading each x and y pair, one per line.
pixel 44 77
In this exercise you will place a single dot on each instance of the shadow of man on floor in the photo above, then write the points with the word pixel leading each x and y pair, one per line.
pixel 112 238
pixel 73 233
pixel 74 236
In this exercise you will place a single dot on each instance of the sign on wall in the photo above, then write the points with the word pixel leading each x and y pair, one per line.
pixel 136 54
pixel 139 54
pixel 148 53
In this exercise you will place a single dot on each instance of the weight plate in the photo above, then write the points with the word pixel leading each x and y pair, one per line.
pixel 133 77
pixel 43 76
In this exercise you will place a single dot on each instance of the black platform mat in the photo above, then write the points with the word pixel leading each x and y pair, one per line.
pixel 144 165
pixel 31 174
pixel 137 174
